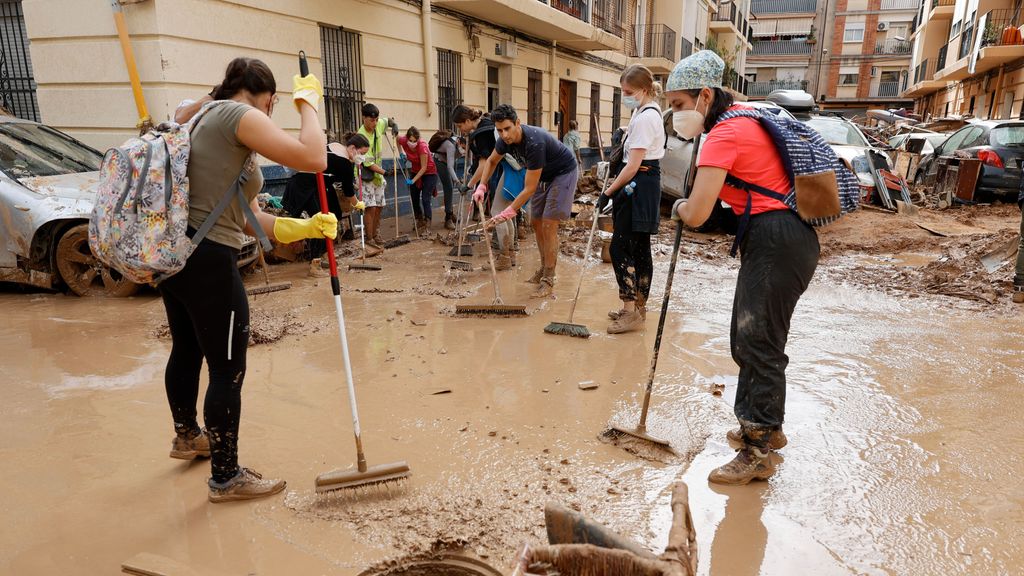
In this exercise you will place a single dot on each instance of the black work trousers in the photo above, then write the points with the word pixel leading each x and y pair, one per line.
pixel 631 254
pixel 779 254
pixel 208 314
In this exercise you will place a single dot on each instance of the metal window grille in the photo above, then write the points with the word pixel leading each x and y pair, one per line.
pixel 535 100
pixel 17 86
pixel 595 113
pixel 342 59
pixel 616 109
pixel 449 86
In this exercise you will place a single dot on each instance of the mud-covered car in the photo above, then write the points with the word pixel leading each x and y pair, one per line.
pixel 47 187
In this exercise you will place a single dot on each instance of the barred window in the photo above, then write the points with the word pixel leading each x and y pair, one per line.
pixel 449 86
pixel 534 96
pixel 342 59
pixel 616 109
pixel 17 85
pixel 595 113
pixel 848 79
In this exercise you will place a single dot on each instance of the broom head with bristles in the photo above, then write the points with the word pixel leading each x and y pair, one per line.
pixel 375 475
pixel 268 288
pixel 461 250
pixel 501 310
pixel 587 560
pixel 459 265
pixel 400 241
pixel 365 267
pixel 566 329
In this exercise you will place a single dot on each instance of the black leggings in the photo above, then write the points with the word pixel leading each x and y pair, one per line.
pixel 208 314
pixel 779 254
pixel 631 255
pixel 422 194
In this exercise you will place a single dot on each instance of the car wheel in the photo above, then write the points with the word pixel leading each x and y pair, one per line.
pixel 84 274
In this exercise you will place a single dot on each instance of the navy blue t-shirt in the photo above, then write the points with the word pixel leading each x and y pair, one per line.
pixel 539 150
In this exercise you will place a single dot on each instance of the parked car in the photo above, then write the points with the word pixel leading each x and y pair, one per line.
pixel 47 187
pixel 999 144
pixel 677 157
pixel 849 143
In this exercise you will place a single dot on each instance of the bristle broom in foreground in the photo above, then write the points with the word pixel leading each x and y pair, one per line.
pixel 380 474
pixel 567 329
pixel 491 310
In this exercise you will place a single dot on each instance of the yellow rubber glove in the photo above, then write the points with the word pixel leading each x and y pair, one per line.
pixel 360 205
pixel 307 89
pixel 288 230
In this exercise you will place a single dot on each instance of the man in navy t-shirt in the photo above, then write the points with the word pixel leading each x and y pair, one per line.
pixel 551 176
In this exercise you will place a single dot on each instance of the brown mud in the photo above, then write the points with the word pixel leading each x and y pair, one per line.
pixel 892 405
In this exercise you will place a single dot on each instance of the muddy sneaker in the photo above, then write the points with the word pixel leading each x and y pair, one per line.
pixel 627 322
pixel 449 223
pixel 1018 294
pixel 535 279
pixel 545 288
pixel 372 250
pixel 246 485
pixel 616 314
pixel 191 446
pixel 776 439
pixel 501 263
pixel 749 464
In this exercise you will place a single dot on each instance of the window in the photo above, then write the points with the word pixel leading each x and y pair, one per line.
pixel 449 86
pixel 493 92
pixel 535 97
pixel 849 79
pixel 595 113
pixel 617 109
pixel 854 32
pixel 17 85
pixel 342 60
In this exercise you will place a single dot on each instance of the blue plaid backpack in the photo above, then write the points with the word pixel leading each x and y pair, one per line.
pixel 822 188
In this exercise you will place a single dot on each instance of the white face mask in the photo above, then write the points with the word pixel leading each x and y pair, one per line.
pixel 631 102
pixel 688 123
pixel 359 158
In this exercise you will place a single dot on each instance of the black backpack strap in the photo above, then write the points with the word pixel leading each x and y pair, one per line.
pixel 749 188
pixel 235 191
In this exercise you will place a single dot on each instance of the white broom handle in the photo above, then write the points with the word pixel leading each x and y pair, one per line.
pixel 348 364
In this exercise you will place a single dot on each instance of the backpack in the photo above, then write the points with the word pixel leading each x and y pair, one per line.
pixel 515 178
pixel 822 188
pixel 140 218
pixel 438 139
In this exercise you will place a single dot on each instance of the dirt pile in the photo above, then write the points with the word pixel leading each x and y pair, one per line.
pixel 266 327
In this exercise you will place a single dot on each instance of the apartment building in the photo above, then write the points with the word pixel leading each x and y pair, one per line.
pixel 730 35
pixel 787 51
pixel 415 60
pixel 968 59
pixel 870 54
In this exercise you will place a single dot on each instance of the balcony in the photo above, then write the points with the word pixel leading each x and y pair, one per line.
pixel 655 46
pixel 942 10
pixel 907 5
pixel 766 87
pixel 685 48
pixel 924 79
pixel 760 7
pixel 886 90
pixel 999 45
pixel 892 46
pixel 577 24
pixel 781 48
pixel 730 19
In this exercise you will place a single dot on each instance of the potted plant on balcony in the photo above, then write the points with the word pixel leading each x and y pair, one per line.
pixel 811 39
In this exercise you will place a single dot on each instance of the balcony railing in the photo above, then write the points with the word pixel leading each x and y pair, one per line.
pixel 685 48
pixel 575 8
pixel 924 71
pixel 780 48
pixel 783 6
pixel 900 5
pixel 887 90
pixel 997 22
pixel 940 60
pixel 730 13
pixel 893 46
pixel 766 87
pixel 937 3
pixel 609 15
pixel 738 83
pixel 653 41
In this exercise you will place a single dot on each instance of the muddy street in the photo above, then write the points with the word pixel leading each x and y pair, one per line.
pixel 903 453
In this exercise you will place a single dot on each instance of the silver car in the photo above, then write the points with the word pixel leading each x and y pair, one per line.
pixel 47 187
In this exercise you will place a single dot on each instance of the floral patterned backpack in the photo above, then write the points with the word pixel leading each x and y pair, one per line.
pixel 140 218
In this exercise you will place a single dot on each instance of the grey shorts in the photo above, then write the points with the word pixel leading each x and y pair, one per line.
pixel 553 200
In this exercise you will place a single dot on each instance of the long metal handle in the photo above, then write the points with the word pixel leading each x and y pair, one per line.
pixel 490 256
pixel 586 253
pixel 690 176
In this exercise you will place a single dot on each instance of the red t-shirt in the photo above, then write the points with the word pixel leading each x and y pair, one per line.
pixel 748 152
pixel 414 151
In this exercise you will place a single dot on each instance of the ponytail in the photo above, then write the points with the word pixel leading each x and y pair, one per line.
pixel 247 74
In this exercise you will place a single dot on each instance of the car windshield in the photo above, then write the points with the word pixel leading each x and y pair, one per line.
pixel 1007 135
pixel 28 150
pixel 838 133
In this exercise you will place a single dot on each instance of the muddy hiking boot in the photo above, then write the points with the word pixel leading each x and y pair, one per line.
pixel 191 445
pixel 246 485
pixel 749 464
pixel 501 262
pixel 776 439
pixel 535 279
pixel 1018 294
pixel 627 322
pixel 449 222
pixel 616 314
pixel 546 285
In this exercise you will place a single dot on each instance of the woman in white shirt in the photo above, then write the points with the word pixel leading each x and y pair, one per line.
pixel 637 196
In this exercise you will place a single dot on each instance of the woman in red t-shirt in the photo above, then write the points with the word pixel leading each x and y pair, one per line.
pixel 423 184
pixel 778 254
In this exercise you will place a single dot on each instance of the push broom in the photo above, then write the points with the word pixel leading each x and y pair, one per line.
pixel 363 475
pixel 462 249
pixel 267 287
pixel 497 307
pixel 567 328
pixel 640 432
pixel 362 237
pixel 399 238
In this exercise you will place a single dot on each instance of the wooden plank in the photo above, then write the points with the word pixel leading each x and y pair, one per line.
pixel 968 179
pixel 147 564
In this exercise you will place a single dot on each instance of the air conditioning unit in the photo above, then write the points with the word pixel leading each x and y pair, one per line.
pixel 506 48
pixel 883 26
